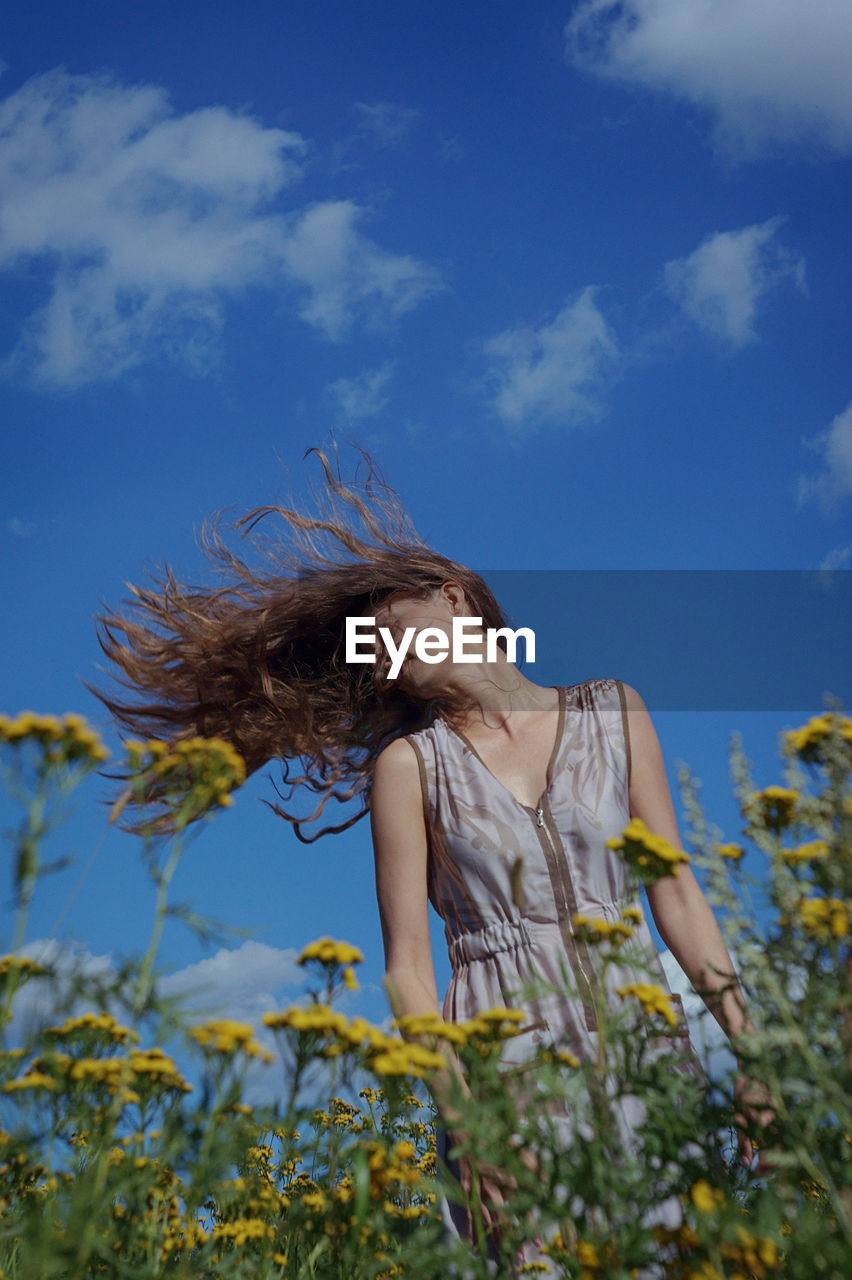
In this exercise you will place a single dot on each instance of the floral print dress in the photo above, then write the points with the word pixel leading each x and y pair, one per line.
pixel 508 878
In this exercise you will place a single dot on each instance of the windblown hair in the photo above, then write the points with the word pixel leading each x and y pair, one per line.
pixel 259 660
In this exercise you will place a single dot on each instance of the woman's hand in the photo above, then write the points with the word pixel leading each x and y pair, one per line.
pixel 495 1187
pixel 486 1189
pixel 752 1109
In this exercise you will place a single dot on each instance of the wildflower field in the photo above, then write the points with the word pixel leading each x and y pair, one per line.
pixel 113 1164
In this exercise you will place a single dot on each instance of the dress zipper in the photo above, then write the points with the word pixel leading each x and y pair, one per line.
pixel 540 822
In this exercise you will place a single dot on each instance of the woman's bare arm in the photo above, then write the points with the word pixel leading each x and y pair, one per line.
pixel 401 853
pixel 682 913
pixel 686 921
pixel 400 848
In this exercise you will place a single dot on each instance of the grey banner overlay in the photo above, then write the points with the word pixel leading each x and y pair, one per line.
pixel 690 640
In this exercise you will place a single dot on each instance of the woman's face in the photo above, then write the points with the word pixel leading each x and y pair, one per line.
pixel 404 613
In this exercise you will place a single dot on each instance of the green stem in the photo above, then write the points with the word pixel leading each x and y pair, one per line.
pixel 164 879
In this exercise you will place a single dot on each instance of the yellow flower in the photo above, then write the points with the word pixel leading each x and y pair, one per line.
pixel 243 1229
pixel 316 1017
pixel 221 1035
pixel 314 1201
pixel 65 739
pixel 809 741
pixel 196 773
pixel 406 1060
pixel 32 1080
pixel 825 916
pixel 775 805
pixel 421 1024
pixel 499 1015
pixel 95 1022
pixel 732 851
pixel 561 1055
pixel 706 1198
pixel 22 963
pixel 349 979
pixel 632 913
pixel 329 952
pixel 652 999
pixel 653 856
pixel 597 929
pixel 810 852
pixel 158 1065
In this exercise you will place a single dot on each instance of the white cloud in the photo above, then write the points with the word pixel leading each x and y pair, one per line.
pixel 40 1001
pixel 387 124
pixel 554 372
pixel 345 274
pixel 20 528
pixel 144 222
pixel 363 396
pixel 834 481
pixel 836 558
pixel 766 70
pixel 723 282
pixel 241 983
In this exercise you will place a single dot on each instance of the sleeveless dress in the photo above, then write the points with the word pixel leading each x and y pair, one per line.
pixel 507 878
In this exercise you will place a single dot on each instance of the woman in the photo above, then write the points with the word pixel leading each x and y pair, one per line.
pixel 488 793
pixel 523 777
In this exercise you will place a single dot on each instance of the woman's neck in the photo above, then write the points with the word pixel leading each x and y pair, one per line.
pixel 490 693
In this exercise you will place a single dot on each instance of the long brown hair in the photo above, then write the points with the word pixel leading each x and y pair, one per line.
pixel 258 660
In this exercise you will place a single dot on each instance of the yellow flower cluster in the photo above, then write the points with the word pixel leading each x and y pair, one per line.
pixel 564 1056
pixel 158 1065
pixel 405 1059
pixel 751 1255
pixel 328 951
pixel 95 1022
pixel 597 929
pixel 19 964
pixel 652 998
pixel 826 917
pixel 775 805
pixel 390 1055
pixel 396 1171
pixel 653 856
pixel 118 1072
pixel 30 1080
pixel 596 1261
pixel 221 1035
pixel 210 768
pixel 809 741
pixel 706 1199
pixel 242 1230
pixel 316 1017
pixel 733 852
pixel 813 851
pixel 64 738
pixel 431 1024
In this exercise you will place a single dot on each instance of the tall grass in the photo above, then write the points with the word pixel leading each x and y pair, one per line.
pixel 113 1164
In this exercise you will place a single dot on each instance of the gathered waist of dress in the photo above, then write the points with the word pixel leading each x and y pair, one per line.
pixel 500 935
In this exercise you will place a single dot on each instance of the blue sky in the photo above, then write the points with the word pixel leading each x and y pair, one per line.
pixel 577 275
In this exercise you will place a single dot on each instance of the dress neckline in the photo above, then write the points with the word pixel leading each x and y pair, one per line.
pixel 548 777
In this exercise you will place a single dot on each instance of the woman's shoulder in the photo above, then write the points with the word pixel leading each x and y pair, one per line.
pixel 603 691
pixel 396 764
